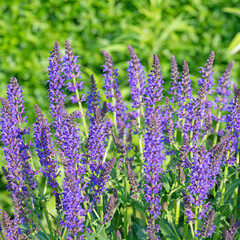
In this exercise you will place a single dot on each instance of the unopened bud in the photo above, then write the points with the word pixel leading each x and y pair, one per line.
pixel 164 206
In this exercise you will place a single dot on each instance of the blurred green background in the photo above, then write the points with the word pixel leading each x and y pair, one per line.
pixel 188 29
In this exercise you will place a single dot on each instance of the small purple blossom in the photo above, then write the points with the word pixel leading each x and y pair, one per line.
pixel 71 70
pixel 44 148
pixel 56 92
pixel 136 79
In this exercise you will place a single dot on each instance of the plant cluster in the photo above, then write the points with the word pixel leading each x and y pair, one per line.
pixel 166 168
pixel 28 29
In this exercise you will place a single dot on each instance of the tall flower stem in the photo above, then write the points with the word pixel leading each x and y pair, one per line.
pixel 114 112
pixel 223 185
pixel 222 188
pixel 47 218
pixel 196 221
pixel 2 235
pixel 191 141
pixel 217 128
pixel 100 207
pixel 185 228
pixel 140 140
pixel 235 198
pixel 125 207
pixel 80 108
pixel 192 231
pixel 107 149
pixel 177 211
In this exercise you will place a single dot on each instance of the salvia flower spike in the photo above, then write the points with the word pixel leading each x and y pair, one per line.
pixel 173 160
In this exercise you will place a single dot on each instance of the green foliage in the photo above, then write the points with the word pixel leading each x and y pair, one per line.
pixel 188 29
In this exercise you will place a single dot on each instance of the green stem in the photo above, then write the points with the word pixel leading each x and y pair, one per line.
pixel 192 231
pixel 215 236
pixel 140 137
pixel 196 220
pixel 191 143
pixel 235 198
pixel 177 211
pixel 223 185
pixel 185 228
pixel 96 213
pixel 80 108
pixel 33 234
pixel 107 149
pixel 47 218
pixel 64 233
pixel 217 128
pixel 125 207
pixel 2 235
pixel 114 112
pixel 100 207
pixel 88 214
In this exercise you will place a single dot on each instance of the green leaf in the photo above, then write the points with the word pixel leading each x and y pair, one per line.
pixel 234 46
pixel 232 10
pixel 226 210
pixel 100 234
pixel 139 228
pixel 165 182
pixel 230 187
pixel 42 236
pixel 167 230
pixel 139 206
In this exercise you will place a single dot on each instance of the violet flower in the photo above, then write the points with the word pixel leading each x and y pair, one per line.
pixel 95 152
pixel 136 79
pixel 17 167
pixel 202 180
pixel 184 91
pixel 233 124
pixel 208 227
pixel 71 70
pixel 230 234
pixel 154 156
pixel 12 230
pixel 197 108
pixel 112 91
pixel 44 148
pixel 223 91
pixel 110 209
pixel 74 182
pixel 174 77
pixel 56 91
pixel 93 98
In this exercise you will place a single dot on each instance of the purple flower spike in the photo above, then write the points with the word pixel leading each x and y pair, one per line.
pixel 207 73
pixel 136 79
pixel 74 183
pixel 202 180
pixel 174 77
pixel 93 98
pixel 56 92
pixel 45 150
pixel 15 100
pixel 154 156
pixel 95 152
pixel 18 171
pixel 223 91
pixel 208 228
pixel 112 91
pixel 71 70
pixel 230 234
pixel 233 124
pixel 11 227
pixel 154 89
pixel 184 88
